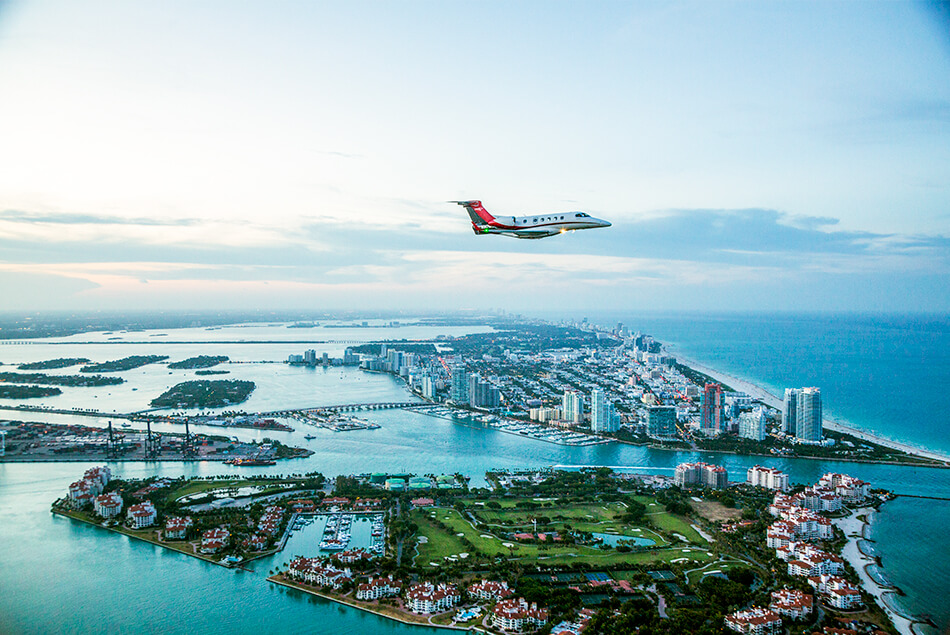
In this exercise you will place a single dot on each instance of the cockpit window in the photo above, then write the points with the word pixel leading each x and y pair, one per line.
pixel 581 215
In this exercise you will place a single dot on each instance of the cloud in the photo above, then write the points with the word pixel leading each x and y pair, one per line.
pixel 46 218
pixel 686 253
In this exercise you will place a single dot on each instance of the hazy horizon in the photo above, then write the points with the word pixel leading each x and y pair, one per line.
pixel 765 157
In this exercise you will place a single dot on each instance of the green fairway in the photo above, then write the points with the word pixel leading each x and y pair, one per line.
pixel 440 543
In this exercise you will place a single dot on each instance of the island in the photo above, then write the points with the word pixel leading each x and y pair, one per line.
pixel 50 364
pixel 126 363
pixel 537 550
pixel 201 361
pixel 60 380
pixel 17 391
pixel 205 393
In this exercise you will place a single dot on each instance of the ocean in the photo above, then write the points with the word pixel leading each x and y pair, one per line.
pixel 882 373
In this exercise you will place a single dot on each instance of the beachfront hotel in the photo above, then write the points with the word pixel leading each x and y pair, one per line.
pixel 837 591
pixel 767 477
pixel 755 621
pixel 516 614
pixel 806 560
pixel 426 597
pixel 791 603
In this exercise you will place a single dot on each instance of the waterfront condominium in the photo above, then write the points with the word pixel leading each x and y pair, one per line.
pixel 602 416
pixel 752 425
pixel 661 421
pixel 711 422
pixel 572 406
pixel 789 410
pixel 767 477
pixel 481 393
pixel 808 415
pixel 700 474
pixel 459 391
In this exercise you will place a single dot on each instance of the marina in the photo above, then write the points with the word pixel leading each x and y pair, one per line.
pixel 512 426
pixel 334 421
pixel 336 532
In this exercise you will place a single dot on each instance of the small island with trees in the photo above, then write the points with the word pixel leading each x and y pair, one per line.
pixel 201 361
pixel 16 391
pixel 126 363
pixel 205 393
pixel 60 380
pixel 50 364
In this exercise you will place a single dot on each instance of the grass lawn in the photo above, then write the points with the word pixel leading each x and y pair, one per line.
pixel 670 523
pixel 723 567
pixel 196 486
pixel 441 543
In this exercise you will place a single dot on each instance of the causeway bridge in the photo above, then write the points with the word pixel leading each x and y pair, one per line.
pixel 351 407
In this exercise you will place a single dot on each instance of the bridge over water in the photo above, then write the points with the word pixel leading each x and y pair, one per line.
pixel 351 407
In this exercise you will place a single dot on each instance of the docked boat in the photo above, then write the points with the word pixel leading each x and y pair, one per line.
pixel 249 462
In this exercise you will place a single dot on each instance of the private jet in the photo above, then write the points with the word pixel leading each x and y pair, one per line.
pixel 534 226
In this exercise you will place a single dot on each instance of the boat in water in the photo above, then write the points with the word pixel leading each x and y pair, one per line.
pixel 249 462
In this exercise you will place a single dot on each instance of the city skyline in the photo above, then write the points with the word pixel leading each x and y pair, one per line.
pixel 776 157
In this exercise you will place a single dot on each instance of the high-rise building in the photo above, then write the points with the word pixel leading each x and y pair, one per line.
pixel 428 387
pixel 789 412
pixel 752 425
pixel 808 415
pixel 767 477
pixel 350 358
pixel 572 406
pixel 459 390
pixel 661 421
pixel 711 423
pixel 602 416
pixel 703 474
pixel 482 393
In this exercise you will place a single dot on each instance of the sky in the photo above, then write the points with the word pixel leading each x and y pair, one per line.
pixel 299 155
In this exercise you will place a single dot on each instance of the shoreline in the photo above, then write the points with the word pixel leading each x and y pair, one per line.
pixel 854 529
pixel 156 543
pixel 758 392
pixel 276 579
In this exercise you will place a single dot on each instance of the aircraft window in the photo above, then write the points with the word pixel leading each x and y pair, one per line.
pixel 582 215
pixel 535 220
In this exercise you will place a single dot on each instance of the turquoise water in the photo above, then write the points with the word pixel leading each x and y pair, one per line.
pixel 883 373
pixel 57 575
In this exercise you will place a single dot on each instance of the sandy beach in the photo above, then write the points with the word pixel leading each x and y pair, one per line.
pixel 853 528
pixel 763 395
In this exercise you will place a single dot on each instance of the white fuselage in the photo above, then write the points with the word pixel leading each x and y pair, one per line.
pixel 541 225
